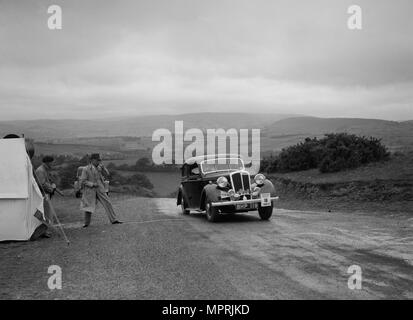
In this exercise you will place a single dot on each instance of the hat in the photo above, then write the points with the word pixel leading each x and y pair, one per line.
pixel 48 159
pixel 95 156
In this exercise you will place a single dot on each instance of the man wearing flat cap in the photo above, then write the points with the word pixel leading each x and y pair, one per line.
pixel 44 177
pixel 93 186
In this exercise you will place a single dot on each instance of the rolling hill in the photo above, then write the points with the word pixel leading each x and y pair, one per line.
pixel 277 130
pixel 395 135
pixel 54 130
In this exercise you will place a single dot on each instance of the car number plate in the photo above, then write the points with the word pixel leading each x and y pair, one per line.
pixel 265 199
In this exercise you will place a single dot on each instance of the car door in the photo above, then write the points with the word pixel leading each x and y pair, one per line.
pixel 192 186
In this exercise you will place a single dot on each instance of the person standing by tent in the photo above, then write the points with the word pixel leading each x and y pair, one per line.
pixel 44 177
pixel 93 187
pixel 48 188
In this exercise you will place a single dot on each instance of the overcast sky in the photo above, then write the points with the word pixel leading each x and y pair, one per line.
pixel 119 58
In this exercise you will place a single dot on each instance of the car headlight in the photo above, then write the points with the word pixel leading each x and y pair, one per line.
pixel 259 179
pixel 231 194
pixel 222 182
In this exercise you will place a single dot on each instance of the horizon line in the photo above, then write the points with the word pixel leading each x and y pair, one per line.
pixel 124 117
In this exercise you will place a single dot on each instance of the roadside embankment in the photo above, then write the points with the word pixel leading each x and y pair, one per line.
pixel 384 186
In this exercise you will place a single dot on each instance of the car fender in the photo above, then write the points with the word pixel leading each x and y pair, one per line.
pixel 267 187
pixel 211 192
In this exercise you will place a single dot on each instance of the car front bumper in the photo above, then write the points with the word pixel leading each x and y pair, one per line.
pixel 237 202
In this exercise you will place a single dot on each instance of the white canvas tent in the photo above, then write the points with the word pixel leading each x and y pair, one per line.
pixel 20 197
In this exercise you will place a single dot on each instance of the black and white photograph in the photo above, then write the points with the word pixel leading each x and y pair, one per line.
pixel 206 154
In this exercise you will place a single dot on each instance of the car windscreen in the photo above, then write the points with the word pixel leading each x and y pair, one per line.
pixel 221 164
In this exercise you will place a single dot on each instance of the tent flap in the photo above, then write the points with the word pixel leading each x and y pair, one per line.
pixel 14 175
pixel 20 197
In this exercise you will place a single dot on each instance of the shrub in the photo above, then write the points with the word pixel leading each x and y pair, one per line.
pixel 142 163
pixel 117 179
pixel 140 180
pixel 334 152
pixel 302 156
pixel 67 175
pixel 269 164
pixel 111 166
pixel 344 151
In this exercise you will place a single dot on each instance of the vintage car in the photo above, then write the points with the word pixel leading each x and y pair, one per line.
pixel 220 184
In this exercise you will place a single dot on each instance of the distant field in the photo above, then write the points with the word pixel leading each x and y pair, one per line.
pixel 128 157
pixel 118 162
pixel 164 182
pixel 275 144
pixel 72 149
pixel 397 168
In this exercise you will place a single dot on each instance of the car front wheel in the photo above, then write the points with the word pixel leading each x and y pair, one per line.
pixel 211 212
pixel 265 212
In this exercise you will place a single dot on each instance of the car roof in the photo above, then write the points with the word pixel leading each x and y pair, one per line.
pixel 199 159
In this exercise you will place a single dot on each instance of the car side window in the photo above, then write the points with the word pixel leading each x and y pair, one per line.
pixel 190 171
pixel 195 171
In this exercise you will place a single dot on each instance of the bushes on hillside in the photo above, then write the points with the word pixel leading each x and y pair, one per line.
pixel 140 180
pixel 343 151
pixel 269 164
pixel 144 165
pixel 334 152
pixel 302 156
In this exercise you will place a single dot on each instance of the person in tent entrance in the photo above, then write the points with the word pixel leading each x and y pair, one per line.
pixel 46 184
pixel 93 187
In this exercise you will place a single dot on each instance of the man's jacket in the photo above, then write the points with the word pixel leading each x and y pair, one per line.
pixel 44 179
pixel 91 176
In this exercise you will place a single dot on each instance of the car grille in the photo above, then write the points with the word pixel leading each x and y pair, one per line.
pixel 240 182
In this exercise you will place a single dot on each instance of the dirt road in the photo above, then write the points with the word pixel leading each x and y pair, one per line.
pixel 160 254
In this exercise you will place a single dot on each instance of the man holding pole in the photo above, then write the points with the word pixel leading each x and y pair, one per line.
pixel 47 187
pixel 44 178
pixel 93 187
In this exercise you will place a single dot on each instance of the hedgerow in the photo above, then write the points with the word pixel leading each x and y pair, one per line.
pixel 334 152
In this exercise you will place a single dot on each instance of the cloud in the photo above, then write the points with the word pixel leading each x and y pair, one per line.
pixel 145 57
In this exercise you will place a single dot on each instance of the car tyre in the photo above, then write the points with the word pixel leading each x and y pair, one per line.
pixel 265 212
pixel 211 212
pixel 184 206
